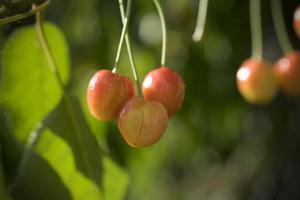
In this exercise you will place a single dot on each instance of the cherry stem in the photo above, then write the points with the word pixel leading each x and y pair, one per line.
pixel 163 31
pixel 20 16
pixel 46 48
pixel 129 51
pixel 256 29
pixel 66 97
pixel 201 20
pixel 124 31
pixel 280 27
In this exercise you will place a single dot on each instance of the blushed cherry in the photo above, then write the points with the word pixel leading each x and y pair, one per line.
pixel 296 22
pixel 287 70
pixel 107 93
pixel 256 81
pixel 142 123
pixel 166 86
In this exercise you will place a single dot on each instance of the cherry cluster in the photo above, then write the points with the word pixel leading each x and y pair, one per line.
pixel 142 114
pixel 141 121
pixel 259 80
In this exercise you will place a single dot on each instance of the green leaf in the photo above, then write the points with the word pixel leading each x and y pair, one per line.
pixel 62 159
pixel 115 180
pixel 29 90
pixel 50 172
pixel 68 123
pixel 65 142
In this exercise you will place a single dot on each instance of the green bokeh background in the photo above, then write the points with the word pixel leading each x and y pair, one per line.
pixel 217 147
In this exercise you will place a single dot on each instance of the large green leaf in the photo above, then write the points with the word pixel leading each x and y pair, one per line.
pixel 29 90
pixel 62 159
pixel 65 143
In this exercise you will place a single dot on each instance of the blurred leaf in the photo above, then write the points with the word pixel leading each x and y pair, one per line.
pixel 62 150
pixel 29 89
pixel 38 178
pixel 54 162
pixel 65 142
pixel 68 123
pixel 115 180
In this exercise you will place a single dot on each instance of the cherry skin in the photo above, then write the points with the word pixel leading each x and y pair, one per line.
pixel 256 81
pixel 166 86
pixel 296 22
pixel 107 93
pixel 142 123
pixel 287 70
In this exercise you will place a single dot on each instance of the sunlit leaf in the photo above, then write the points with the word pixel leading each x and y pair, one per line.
pixel 64 145
pixel 62 159
pixel 29 90
pixel 50 172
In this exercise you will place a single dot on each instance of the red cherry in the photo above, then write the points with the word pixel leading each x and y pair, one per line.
pixel 142 123
pixel 297 21
pixel 256 81
pixel 166 86
pixel 287 70
pixel 107 93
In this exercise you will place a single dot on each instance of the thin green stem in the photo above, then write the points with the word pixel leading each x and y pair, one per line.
pixel 256 28
pixel 46 48
pixel 280 27
pixel 129 51
pixel 20 16
pixel 163 31
pixel 66 98
pixel 201 19
pixel 124 31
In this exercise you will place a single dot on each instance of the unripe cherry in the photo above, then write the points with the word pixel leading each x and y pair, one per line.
pixel 166 86
pixel 296 22
pixel 107 93
pixel 287 70
pixel 256 81
pixel 142 123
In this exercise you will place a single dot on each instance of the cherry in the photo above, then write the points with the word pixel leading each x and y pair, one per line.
pixel 297 21
pixel 256 81
pixel 107 93
pixel 165 86
pixel 287 70
pixel 142 122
